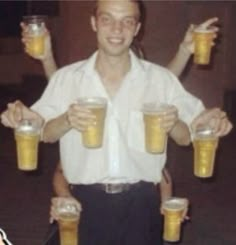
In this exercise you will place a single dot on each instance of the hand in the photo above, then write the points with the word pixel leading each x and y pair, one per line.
pixel 58 201
pixel 216 119
pixel 188 44
pixel 47 43
pixel 169 118
pixel 79 117
pixel 16 112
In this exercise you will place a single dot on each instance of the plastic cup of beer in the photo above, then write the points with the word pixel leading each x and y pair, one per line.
pixel 68 220
pixel 27 136
pixel 205 144
pixel 202 45
pixel 155 135
pixel 173 213
pixel 92 136
pixel 36 32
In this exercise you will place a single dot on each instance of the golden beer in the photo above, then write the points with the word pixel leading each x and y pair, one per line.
pixel 36 33
pixel 155 135
pixel 203 45
pixel 27 136
pixel 92 136
pixel 36 45
pixel 204 156
pixel 173 212
pixel 68 227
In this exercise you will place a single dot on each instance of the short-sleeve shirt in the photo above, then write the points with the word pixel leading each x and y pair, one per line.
pixel 122 158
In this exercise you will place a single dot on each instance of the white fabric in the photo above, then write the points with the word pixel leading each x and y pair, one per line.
pixel 122 157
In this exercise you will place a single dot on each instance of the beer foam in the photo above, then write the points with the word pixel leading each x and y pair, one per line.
pixel 203 30
pixel 175 204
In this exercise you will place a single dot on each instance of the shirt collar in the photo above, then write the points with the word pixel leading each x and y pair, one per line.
pixel 136 64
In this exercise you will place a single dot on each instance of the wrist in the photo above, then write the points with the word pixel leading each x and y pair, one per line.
pixel 183 49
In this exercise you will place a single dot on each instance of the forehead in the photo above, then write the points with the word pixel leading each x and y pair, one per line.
pixel 118 7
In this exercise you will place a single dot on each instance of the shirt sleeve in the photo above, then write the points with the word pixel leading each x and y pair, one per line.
pixel 188 105
pixel 48 106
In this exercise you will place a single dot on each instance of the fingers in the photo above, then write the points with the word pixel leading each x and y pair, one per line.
pixel 209 22
pixel 80 117
pixel 13 115
pixel 169 118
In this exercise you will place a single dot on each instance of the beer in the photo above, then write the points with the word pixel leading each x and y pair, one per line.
pixel 27 138
pixel 173 212
pixel 36 33
pixel 92 137
pixel 155 136
pixel 203 45
pixel 36 45
pixel 204 156
pixel 68 226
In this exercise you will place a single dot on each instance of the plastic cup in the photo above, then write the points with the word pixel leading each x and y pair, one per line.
pixel 203 44
pixel 155 135
pixel 27 136
pixel 205 144
pixel 92 136
pixel 68 220
pixel 173 213
pixel 36 33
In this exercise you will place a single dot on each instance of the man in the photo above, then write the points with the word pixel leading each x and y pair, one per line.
pixel 130 216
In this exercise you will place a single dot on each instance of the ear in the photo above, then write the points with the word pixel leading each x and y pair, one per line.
pixel 137 29
pixel 93 23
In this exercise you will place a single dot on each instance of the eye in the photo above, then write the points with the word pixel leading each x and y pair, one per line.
pixel 129 22
pixel 105 19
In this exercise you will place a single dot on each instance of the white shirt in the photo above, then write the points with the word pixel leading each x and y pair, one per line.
pixel 122 158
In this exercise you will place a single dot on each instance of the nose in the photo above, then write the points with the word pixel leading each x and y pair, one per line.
pixel 117 26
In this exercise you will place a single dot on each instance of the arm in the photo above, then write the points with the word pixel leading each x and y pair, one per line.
pixel 47 59
pixel 76 117
pixel 166 186
pixel 186 48
pixel 175 127
pixel 60 184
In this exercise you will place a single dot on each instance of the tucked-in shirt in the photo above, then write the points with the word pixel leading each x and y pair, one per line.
pixel 123 157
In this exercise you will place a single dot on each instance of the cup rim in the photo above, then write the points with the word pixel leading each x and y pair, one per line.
pixel 175 200
pixel 203 30
pixel 34 18
pixel 102 101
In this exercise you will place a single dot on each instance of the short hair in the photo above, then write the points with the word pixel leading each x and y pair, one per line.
pixel 138 2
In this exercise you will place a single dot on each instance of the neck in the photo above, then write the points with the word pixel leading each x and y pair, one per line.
pixel 114 67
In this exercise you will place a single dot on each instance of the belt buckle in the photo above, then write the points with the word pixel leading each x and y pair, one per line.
pixel 113 188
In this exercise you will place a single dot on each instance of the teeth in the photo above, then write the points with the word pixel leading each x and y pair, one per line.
pixel 115 40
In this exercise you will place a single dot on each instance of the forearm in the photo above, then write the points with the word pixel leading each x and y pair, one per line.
pixel 166 186
pixel 180 133
pixel 49 66
pixel 180 60
pixel 56 128
pixel 60 184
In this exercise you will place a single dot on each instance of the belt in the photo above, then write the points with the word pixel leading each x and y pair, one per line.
pixel 112 188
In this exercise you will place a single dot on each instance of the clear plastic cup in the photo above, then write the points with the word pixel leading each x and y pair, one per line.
pixel 68 220
pixel 92 136
pixel 205 144
pixel 36 32
pixel 203 44
pixel 27 136
pixel 173 213
pixel 155 135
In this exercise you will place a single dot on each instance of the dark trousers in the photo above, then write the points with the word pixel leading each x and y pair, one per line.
pixel 127 218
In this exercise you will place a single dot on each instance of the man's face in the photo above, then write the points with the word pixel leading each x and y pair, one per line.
pixel 116 23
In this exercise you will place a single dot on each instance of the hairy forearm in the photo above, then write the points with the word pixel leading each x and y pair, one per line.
pixel 180 133
pixel 60 184
pixel 56 128
pixel 180 60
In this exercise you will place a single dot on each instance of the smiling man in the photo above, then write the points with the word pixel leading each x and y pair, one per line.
pixel 116 184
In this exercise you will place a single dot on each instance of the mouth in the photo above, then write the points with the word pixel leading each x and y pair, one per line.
pixel 115 40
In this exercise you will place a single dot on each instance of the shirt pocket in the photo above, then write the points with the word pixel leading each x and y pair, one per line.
pixel 135 134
